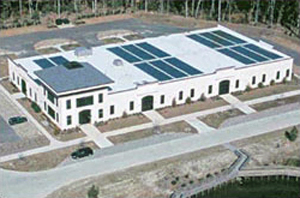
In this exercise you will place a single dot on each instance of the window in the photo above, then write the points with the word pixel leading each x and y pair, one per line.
pixel 45 106
pixel 57 117
pixel 287 73
pixel 13 76
pixel 44 91
pixel 30 92
pixel 253 80
pixel 131 106
pixel 85 101
pixel 68 104
pixel 112 109
pixel 69 120
pixel 50 96
pixel 100 113
pixel 100 98
pixel 18 80
pixel 263 78
pixel 180 95
pixel 278 75
pixel 162 99
pixel 192 93
pixel 210 87
pixel 51 112
pixel 237 84
pixel 35 97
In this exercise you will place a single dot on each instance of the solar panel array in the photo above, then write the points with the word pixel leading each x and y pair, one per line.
pixel 154 61
pixel 51 62
pixel 234 47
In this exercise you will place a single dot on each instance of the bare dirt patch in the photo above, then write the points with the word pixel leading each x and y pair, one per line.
pixel 52 129
pixel 112 40
pixel 269 90
pixel 43 161
pixel 154 179
pixel 52 42
pixel 122 122
pixel 176 127
pixel 210 103
pixel 215 120
pixel 133 37
pixel 70 47
pixel 276 103
pixel 271 149
pixel 49 50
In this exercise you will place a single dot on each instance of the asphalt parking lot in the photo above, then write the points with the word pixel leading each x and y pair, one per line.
pixel 7 134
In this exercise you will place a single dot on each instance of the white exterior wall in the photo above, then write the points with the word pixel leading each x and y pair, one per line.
pixel 170 89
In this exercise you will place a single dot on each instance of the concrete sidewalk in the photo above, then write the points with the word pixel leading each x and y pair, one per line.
pixel 92 132
pixel 236 103
pixel 154 116
pixel 199 125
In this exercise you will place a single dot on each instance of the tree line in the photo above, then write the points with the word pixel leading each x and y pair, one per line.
pixel 270 12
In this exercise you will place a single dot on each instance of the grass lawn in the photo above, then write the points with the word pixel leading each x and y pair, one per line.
pixel 43 161
pixel 49 50
pixel 119 123
pixel 175 127
pixel 70 46
pixel 112 40
pixel 169 112
pixel 51 128
pixel 276 103
pixel 215 120
pixel 133 37
pixel 258 187
pixel 11 88
pixel 270 90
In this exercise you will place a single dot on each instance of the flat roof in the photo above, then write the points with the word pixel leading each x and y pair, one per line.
pixel 162 58
pixel 61 79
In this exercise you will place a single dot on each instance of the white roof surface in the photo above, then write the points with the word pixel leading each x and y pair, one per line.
pixel 179 45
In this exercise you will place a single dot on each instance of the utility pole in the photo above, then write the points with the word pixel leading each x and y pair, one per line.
pixel 256 12
pixel 219 10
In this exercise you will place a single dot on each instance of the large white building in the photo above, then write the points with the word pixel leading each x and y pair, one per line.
pixel 98 84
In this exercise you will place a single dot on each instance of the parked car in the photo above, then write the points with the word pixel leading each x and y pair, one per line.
pixel 82 152
pixel 17 120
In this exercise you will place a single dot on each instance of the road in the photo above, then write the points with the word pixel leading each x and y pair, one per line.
pixel 38 184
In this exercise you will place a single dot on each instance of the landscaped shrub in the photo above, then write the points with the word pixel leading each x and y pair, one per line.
pixel 292 135
pixel 248 88
pixel 284 81
pixel 93 192
pixel 173 182
pixel 260 85
pixel 202 97
pixel 35 107
pixel 272 82
pixel 188 100
pixel 56 132
pixel 125 115
pixel 62 21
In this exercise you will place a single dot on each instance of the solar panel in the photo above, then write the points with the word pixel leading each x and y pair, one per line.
pixel 203 41
pixel 123 54
pixel 145 67
pixel 140 53
pixel 44 63
pixel 183 66
pixel 262 51
pixel 216 39
pixel 236 56
pixel 229 37
pixel 59 60
pixel 168 69
pixel 153 50
pixel 249 53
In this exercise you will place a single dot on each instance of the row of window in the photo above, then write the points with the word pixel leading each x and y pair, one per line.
pixel 30 90
pixel 85 101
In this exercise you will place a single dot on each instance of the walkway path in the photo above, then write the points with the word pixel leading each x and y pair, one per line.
pixel 236 103
pixel 199 125
pixel 18 95
pixel 154 116
pixel 38 184
pixel 92 132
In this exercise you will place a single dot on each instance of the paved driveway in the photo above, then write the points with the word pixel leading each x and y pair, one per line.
pixel 86 35
pixel 7 134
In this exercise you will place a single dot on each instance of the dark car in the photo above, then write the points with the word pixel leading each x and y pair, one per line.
pixel 82 152
pixel 17 120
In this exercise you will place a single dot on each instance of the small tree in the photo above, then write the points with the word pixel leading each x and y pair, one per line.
pixel 202 97
pixel 93 192
pixel 248 88
pixel 174 102
pixel 292 135
pixel 272 82
pixel 188 100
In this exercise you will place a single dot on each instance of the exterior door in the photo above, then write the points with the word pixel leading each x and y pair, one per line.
pixel 147 103
pixel 85 117
pixel 224 87
pixel 23 86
